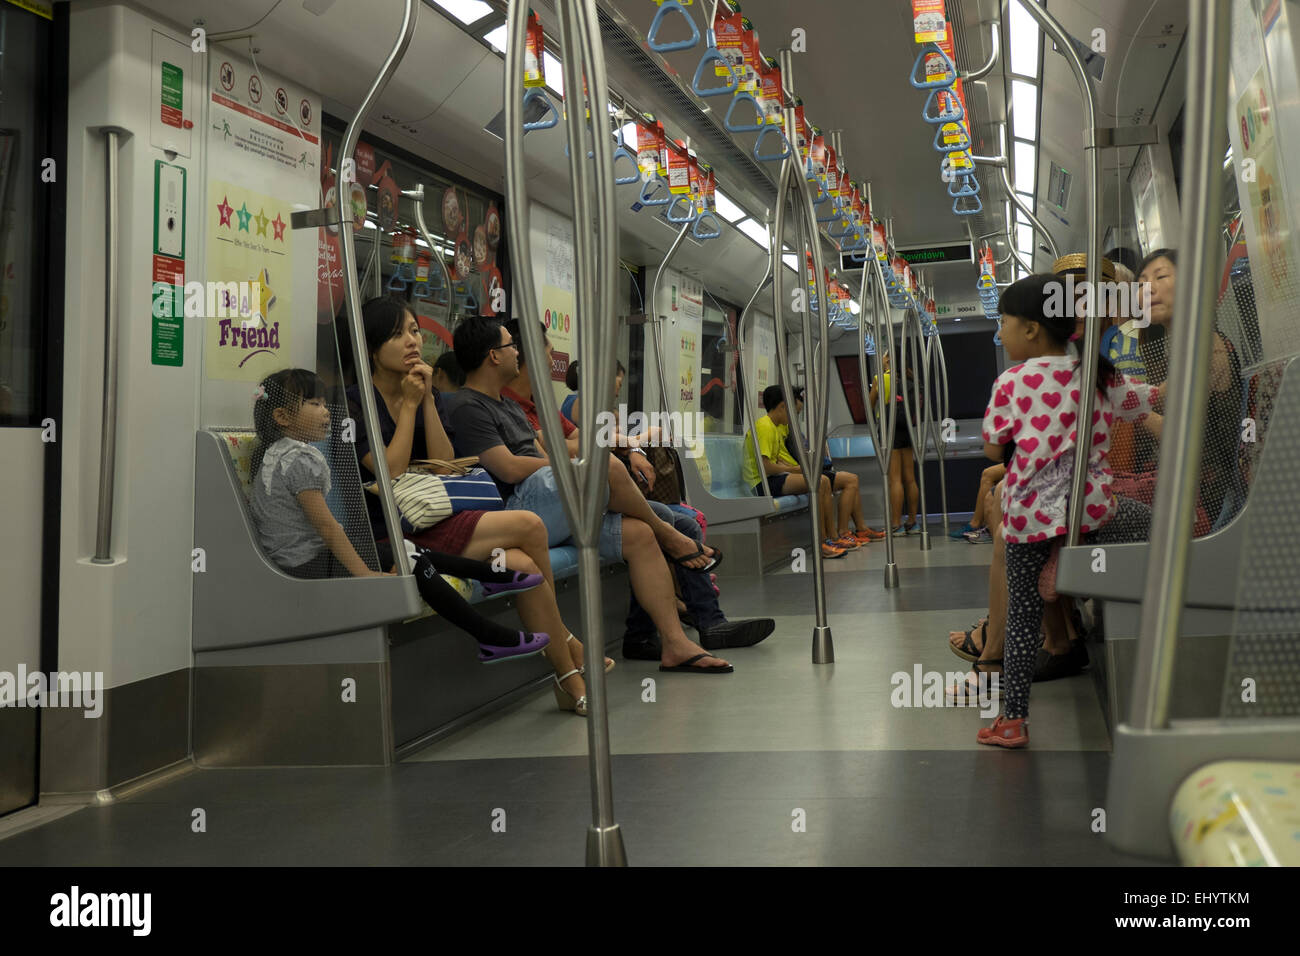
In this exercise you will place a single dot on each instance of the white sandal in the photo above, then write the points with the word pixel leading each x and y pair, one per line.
pixel 609 661
pixel 565 700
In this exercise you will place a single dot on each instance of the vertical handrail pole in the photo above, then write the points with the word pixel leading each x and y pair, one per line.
pixel 888 407
pixel 746 415
pixel 417 194
pixel 920 388
pixel 793 180
pixel 876 422
pixel 656 336
pixel 1182 439
pixel 595 278
pixel 940 443
pixel 108 423
pixel 1053 29
pixel 352 291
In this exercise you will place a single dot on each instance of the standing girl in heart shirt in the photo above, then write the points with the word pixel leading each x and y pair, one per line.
pixel 1036 404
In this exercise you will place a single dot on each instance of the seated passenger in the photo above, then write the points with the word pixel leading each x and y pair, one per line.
pixel 700 602
pixel 298 532
pixel 499 433
pixel 570 408
pixel 412 428
pixel 447 375
pixel 782 471
pixel 976 530
pixel 1033 402
pixel 846 483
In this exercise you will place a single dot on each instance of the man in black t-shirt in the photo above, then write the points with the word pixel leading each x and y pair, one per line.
pixel 498 432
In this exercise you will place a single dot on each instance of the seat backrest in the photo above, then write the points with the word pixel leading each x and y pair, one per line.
pixel 239 446
pixel 726 456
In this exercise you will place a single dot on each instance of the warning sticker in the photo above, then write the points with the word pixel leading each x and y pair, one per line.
pixel 173 99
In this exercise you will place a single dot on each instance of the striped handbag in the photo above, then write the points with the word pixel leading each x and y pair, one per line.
pixel 425 499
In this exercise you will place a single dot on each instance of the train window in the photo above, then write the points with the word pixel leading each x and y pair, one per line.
pixel 25 214
pixel 464 220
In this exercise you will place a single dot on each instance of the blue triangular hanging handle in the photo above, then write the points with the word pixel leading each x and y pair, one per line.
pixel 933 84
pixel 963 210
pixel 766 131
pixel 755 126
pixel 537 93
pixel 670 6
pixel 835 213
pixel 673 203
pixel 943 147
pixel 952 116
pixel 655 180
pixel 635 175
pixel 844 233
pixel 711 55
pixel 970 186
pixel 713 233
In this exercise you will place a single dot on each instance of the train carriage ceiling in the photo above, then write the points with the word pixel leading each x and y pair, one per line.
pixel 853 77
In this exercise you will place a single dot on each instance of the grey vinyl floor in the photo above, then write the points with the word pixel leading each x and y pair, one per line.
pixel 782 763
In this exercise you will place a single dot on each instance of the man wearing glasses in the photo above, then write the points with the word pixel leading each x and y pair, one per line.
pixel 498 432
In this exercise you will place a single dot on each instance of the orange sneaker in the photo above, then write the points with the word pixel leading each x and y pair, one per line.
pixel 867 534
pixel 1012 734
pixel 830 550
pixel 848 542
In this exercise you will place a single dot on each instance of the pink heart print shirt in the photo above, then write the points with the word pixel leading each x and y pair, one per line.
pixel 1035 404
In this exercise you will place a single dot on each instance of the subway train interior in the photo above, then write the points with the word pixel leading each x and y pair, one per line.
pixel 914 253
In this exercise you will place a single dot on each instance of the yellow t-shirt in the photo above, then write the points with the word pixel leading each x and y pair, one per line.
pixel 771 444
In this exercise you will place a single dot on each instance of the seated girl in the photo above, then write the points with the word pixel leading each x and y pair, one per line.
pixel 297 530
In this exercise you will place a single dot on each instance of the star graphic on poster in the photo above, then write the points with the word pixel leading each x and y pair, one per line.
pixel 244 216
pixel 278 225
pixel 225 210
pixel 268 294
pixel 262 223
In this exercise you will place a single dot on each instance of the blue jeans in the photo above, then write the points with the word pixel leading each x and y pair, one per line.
pixel 539 494
pixel 697 589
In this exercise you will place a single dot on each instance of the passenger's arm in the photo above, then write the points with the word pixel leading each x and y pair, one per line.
pixel 332 533
pixel 436 442
pixel 398 452
pixel 506 466
pixel 994 452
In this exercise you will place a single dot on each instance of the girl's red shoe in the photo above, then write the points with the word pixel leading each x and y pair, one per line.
pixel 1012 734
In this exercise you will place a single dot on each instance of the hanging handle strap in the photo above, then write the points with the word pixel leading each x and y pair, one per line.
pixel 552 120
pixel 942 147
pixel 622 152
pixel 713 55
pixel 961 208
pixel 955 114
pixel 671 6
pixel 945 81
pixel 735 126
pixel 649 185
pixel 767 131
pixel 712 233
pixel 969 185
pixel 673 204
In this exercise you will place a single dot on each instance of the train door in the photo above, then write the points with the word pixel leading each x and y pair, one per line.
pixel 32 103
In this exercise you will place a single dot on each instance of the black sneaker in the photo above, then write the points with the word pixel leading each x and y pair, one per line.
pixel 643 648
pixel 736 633
pixel 1055 666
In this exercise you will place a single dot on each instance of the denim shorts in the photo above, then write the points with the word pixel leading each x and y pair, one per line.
pixel 539 494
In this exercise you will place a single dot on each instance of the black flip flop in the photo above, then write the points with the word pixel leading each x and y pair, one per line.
pixel 685 667
pixel 713 562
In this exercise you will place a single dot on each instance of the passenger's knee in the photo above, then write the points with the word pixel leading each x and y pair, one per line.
pixel 637 534
pixel 825 484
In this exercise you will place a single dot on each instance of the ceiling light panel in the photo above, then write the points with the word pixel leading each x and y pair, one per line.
pixel 466 11
pixel 1024 42
pixel 1024 110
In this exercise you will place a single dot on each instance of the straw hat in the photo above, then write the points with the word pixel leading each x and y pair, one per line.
pixel 1077 262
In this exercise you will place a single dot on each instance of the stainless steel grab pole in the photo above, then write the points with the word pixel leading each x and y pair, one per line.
pixel 351 287
pixel 108 422
pixel 1090 353
pixel 1183 437
pixel 656 335
pixel 913 392
pixel 886 397
pixel 417 194
pixel 595 277
pixel 793 180
pixel 748 422
pixel 881 434
pixel 996 39
pixel 940 444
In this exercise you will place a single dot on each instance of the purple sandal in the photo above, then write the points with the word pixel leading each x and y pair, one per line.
pixel 528 644
pixel 521 582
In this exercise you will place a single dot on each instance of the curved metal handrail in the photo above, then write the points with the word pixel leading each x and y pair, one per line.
pixel 880 421
pixel 656 338
pixel 987 68
pixel 352 292
pixel 417 194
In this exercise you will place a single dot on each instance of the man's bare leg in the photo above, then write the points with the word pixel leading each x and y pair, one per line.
pixel 626 498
